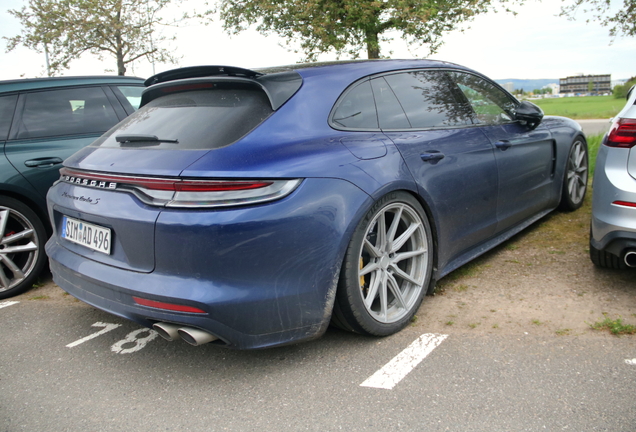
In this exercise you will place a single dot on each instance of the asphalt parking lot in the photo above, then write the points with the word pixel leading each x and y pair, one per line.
pixel 66 366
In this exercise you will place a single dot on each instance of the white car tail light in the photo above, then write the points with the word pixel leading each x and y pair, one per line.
pixel 622 134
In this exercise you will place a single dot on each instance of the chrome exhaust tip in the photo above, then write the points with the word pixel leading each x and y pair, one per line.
pixel 630 258
pixel 168 331
pixel 195 336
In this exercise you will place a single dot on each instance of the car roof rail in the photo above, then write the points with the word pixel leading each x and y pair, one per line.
pixel 199 72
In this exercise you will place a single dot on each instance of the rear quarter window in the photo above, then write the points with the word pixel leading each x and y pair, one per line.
pixel 200 119
pixel 356 109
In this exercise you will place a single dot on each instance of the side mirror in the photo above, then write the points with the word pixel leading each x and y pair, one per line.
pixel 529 113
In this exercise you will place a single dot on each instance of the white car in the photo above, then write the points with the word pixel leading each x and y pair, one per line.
pixel 613 233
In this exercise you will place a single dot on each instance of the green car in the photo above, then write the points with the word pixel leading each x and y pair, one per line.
pixel 42 122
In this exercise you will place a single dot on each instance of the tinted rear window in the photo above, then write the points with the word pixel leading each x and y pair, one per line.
pixel 356 109
pixel 201 119
pixel 390 112
pixel 74 111
pixel 428 99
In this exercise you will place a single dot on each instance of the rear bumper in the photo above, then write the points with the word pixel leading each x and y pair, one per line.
pixel 118 301
pixel 615 242
pixel 613 226
pixel 264 276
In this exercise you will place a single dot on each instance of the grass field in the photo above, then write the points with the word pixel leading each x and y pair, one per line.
pixel 585 107
pixel 593 143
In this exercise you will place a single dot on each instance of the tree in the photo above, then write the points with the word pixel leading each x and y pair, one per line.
pixel 542 91
pixel 620 22
pixel 350 26
pixel 620 91
pixel 66 29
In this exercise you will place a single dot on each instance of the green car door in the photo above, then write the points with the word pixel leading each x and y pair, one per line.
pixel 52 124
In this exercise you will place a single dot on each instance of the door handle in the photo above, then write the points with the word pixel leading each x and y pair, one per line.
pixel 503 144
pixel 432 156
pixel 43 162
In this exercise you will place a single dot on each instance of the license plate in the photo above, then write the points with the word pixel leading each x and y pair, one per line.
pixel 86 234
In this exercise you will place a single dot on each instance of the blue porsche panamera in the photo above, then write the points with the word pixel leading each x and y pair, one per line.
pixel 253 208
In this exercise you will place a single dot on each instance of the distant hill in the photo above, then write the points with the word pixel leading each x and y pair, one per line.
pixel 528 84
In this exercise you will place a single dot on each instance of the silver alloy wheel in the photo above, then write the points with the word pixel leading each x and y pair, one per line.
pixel 577 172
pixel 18 248
pixel 393 262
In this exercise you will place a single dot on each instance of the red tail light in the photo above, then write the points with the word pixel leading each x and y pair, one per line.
pixel 624 204
pixel 212 186
pixel 167 306
pixel 192 193
pixel 622 134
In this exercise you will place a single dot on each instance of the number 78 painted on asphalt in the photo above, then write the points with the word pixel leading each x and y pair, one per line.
pixel 118 347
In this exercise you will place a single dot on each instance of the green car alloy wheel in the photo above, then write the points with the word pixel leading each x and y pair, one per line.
pixel 21 247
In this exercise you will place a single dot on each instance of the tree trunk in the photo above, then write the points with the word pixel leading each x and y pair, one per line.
pixel 121 67
pixel 373 44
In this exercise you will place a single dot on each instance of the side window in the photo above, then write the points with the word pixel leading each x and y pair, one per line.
pixel 130 94
pixel 390 112
pixel 66 112
pixel 356 109
pixel 7 107
pixel 491 105
pixel 429 100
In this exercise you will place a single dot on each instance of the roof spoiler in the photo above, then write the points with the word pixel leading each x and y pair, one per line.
pixel 279 87
pixel 200 71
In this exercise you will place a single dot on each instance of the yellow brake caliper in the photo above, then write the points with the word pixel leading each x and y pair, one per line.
pixel 361 277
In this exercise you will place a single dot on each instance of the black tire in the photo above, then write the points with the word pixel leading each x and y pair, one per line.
pixel 607 260
pixel 575 177
pixel 387 268
pixel 22 256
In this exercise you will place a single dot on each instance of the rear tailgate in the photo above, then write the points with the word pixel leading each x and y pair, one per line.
pixel 129 223
pixel 119 185
pixel 85 197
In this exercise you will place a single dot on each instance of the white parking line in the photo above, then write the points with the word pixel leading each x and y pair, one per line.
pixel 394 371
pixel 8 303
pixel 631 362
pixel 107 327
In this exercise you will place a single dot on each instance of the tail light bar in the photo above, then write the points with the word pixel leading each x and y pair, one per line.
pixel 625 204
pixel 622 134
pixel 167 306
pixel 185 193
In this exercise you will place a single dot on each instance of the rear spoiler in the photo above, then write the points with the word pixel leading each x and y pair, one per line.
pixel 279 87
pixel 198 72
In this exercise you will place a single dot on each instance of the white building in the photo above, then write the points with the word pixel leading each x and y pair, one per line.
pixel 554 87
pixel 618 82
pixel 509 86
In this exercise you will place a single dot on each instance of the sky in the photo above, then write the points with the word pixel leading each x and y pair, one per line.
pixel 534 44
